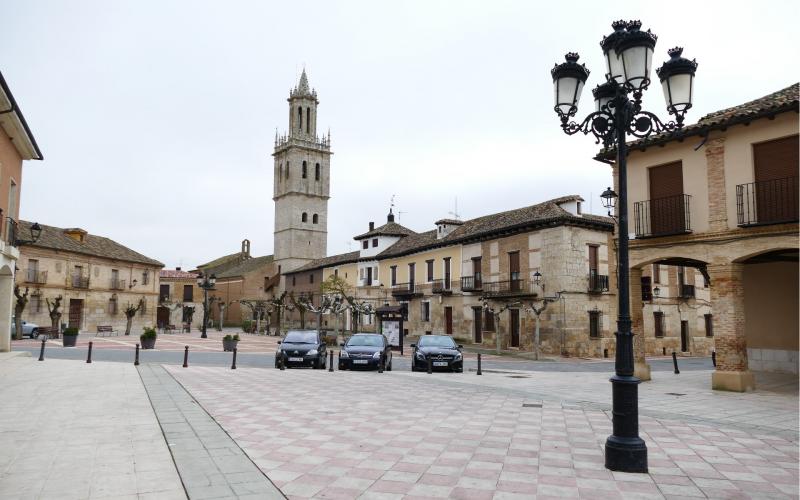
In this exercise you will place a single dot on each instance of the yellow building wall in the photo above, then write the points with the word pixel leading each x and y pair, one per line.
pixel 420 271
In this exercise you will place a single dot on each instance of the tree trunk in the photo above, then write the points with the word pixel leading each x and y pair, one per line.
pixel 128 324
pixel 278 325
pixel 18 325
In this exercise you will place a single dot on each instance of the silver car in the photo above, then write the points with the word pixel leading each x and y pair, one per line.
pixel 28 329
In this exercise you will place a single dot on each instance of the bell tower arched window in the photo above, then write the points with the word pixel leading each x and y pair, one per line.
pixel 315 218
pixel 280 176
pixel 300 118
pixel 304 217
pixel 317 171
pixel 305 170
pixel 287 169
pixel 308 120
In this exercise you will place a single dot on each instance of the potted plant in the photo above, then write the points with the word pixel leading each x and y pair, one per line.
pixel 148 338
pixel 69 337
pixel 229 342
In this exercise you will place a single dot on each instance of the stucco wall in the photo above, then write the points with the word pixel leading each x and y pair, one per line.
pixel 771 310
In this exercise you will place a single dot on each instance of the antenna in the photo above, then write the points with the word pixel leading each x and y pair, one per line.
pixel 391 202
pixel 455 213
pixel 399 213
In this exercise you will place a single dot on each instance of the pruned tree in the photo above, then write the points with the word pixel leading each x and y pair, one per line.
pixel 130 313
pixel 19 306
pixel 300 305
pixel 334 285
pixel 280 304
pixel 188 316
pixel 207 305
pixel 258 308
pixel 54 310
pixel 222 306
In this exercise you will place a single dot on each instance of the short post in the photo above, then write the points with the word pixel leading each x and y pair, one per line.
pixel 186 356
pixel 380 364
pixel 280 361
pixel 41 353
pixel 479 364
pixel 713 358
pixel 233 365
pixel 430 364
pixel 675 362
pixel 330 363
pixel 136 357
pixel 89 353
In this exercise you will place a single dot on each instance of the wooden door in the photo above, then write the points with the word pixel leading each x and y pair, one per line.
pixel 513 271
pixel 75 313
pixel 684 335
pixel 476 272
pixel 162 317
pixel 477 324
pixel 593 280
pixel 775 171
pixel 369 276
pixel 514 315
pixel 667 210
pixel 448 320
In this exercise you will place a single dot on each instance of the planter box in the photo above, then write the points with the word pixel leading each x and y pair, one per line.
pixel 69 340
pixel 229 345
pixel 148 343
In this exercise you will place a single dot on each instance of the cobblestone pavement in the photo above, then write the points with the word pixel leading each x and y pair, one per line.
pixel 413 435
pixel 71 430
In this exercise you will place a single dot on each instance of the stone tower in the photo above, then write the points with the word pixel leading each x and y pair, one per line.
pixel 302 183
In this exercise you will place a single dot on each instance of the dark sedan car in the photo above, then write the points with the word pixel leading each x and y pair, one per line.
pixel 444 354
pixel 363 350
pixel 302 348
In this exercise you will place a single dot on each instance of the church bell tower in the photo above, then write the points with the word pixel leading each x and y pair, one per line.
pixel 301 183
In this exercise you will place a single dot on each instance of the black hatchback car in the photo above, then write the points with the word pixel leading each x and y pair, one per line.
pixel 301 348
pixel 363 350
pixel 444 354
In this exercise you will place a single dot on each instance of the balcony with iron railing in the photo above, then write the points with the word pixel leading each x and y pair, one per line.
pixel 117 284
pixel 663 216
pixel 35 276
pixel 767 202
pixel 443 287
pixel 686 291
pixel 79 281
pixel 508 288
pixel 471 283
pixel 598 283
pixel 410 289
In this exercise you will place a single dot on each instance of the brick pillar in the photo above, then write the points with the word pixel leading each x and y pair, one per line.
pixel 640 367
pixel 715 170
pixel 727 299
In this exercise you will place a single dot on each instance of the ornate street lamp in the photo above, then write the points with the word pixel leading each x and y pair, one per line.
pixel 206 283
pixel 35 230
pixel 629 55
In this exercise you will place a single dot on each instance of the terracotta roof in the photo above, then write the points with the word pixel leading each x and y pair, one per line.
pixel 452 222
pixel 225 259
pixel 98 246
pixel 245 267
pixel 175 274
pixel 388 229
pixel 770 105
pixel 334 260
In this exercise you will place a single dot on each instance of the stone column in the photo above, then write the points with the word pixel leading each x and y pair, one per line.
pixel 641 369
pixel 715 170
pixel 6 306
pixel 727 299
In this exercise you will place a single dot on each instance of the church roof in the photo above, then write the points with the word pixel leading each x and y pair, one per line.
pixel 246 266
pixel 334 260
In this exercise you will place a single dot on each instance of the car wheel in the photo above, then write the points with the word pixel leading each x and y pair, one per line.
pixel 34 334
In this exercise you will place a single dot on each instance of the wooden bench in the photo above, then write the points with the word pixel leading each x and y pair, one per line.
pixel 105 330
pixel 50 332
pixel 169 328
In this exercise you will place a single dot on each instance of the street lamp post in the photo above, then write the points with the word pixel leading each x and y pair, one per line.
pixel 206 283
pixel 618 112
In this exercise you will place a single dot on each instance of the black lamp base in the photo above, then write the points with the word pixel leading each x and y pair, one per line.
pixel 626 454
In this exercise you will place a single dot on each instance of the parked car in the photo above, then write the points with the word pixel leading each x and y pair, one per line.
pixel 302 348
pixel 363 350
pixel 28 329
pixel 443 351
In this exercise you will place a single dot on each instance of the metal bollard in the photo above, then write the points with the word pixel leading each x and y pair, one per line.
pixel 479 364
pixel 380 364
pixel 280 361
pixel 714 358
pixel 675 362
pixel 89 354
pixel 430 364
pixel 664 351
pixel 186 357
pixel 136 358
pixel 233 365
pixel 330 363
pixel 41 353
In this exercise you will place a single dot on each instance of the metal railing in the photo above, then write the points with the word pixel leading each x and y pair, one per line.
pixel 117 284
pixel 404 289
pixel 663 216
pixel 686 291
pixel 79 281
pixel 471 283
pixel 505 288
pixel 767 202
pixel 598 283
pixel 35 276
pixel 441 286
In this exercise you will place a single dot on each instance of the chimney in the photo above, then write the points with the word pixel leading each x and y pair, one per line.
pixel 178 268
pixel 390 217
pixel 371 226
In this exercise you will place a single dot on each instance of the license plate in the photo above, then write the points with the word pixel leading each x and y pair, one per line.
pixel 359 361
pixel 296 359
pixel 440 363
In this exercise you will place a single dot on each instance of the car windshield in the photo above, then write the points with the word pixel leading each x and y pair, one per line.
pixel 436 341
pixel 365 340
pixel 301 338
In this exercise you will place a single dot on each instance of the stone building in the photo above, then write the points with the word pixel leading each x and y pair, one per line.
pixel 450 278
pixel 179 300
pixel 96 277
pixel 721 196
pixel 17 144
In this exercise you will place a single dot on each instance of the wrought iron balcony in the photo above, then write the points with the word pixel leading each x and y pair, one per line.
pixel 598 283
pixel 36 277
pixel 164 299
pixel 79 281
pixel 508 288
pixel 663 216
pixel 767 202
pixel 444 287
pixel 471 283
pixel 686 291
pixel 117 284
pixel 405 290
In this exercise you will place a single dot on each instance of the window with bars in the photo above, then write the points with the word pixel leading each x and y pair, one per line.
pixel 488 321
pixel 311 278
pixel 36 303
pixel 143 310
pixel 426 311
pixel 112 306
pixel 594 324
pixel 709 320
pixel 658 321
pixel 145 277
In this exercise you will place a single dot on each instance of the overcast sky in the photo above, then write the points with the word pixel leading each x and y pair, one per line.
pixel 157 118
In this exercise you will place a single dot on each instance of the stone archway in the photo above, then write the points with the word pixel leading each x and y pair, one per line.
pixel 6 302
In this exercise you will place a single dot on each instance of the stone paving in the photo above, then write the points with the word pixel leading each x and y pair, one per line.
pixel 403 435
pixel 74 430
